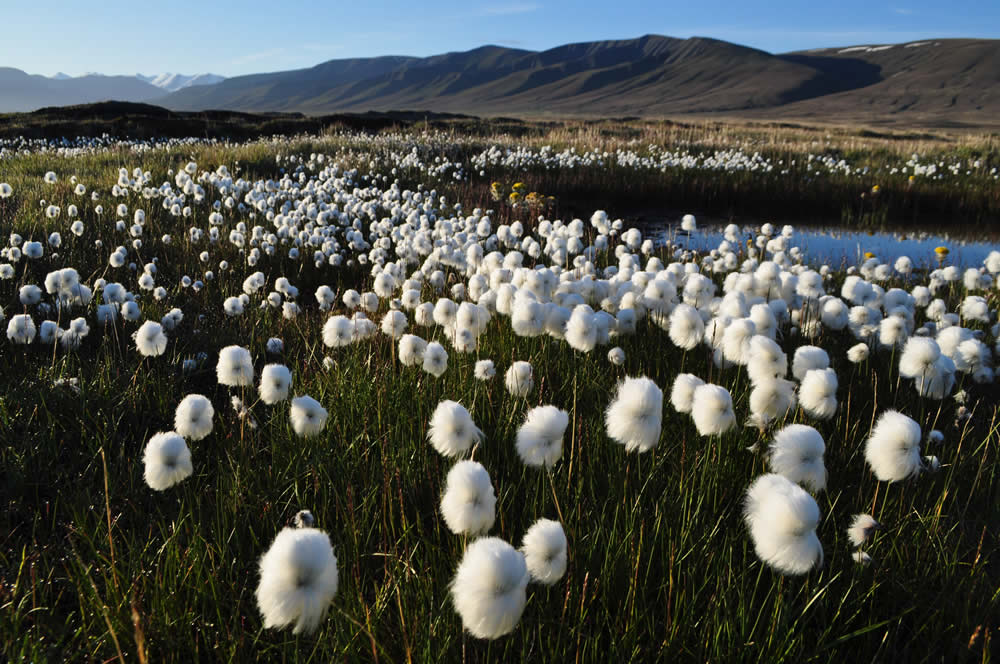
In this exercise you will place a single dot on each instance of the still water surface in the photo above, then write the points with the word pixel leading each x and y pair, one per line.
pixel 839 247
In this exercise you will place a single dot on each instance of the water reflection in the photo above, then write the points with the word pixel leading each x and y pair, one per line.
pixel 839 247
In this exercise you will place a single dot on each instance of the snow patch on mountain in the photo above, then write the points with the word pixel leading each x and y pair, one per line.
pixel 173 82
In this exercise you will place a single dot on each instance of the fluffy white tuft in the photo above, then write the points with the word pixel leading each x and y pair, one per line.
pixel 893 447
pixel 394 324
pixel 411 350
pixel 862 528
pixel 21 329
pixel 545 551
pixel 150 340
pixel 807 358
pixel 452 431
pixel 918 357
pixel 686 327
pixel 519 379
pixel 484 370
pixel 682 393
pixel 338 331
pixel 193 417
pixel 771 399
pixel 298 579
pixel 797 454
pixel 634 417
pixel 489 588
pixel 167 460
pixel 308 416
pixel 435 359
pixel 235 368
pixel 581 329
pixel 858 353
pixel 818 393
pixel 712 410
pixel 275 382
pixel 765 359
pixel 539 440
pixel 782 519
pixel 468 504
pixel 528 317
pixel 736 340
pixel 892 331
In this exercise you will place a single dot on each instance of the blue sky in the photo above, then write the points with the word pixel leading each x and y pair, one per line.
pixel 232 38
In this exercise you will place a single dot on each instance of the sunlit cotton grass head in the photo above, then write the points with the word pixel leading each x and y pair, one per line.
pixel 682 392
pixel 782 519
pixel 167 460
pixel 193 417
pixel 686 327
pixel 712 410
pixel 48 332
pixel 484 370
pixel 937 382
pixel 519 379
pixel 73 336
pixel 468 504
pixel 862 528
pixel 919 357
pixel 275 382
pixel 797 454
pixel 634 417
pixel 307 415
pixel 807 358
pixel 234 368
pixel 818 393
pixel 298 580
pixel 489 588
pixel 338 331
pixel 150 339
pixel 771 399
pixel 892 331
pixel 545 551
pixel 435 359
pixel 394 324
pixel 539 439
pixel 736 340
pixel 765 359
pixel 893 447
pixel 581 329
pixel 411 350
pixel 616 356
pixel 452 431
pixel 21 329
pixel 858 353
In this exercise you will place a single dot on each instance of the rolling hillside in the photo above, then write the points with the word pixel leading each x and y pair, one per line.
pixel 26 92
pixel 650 75
pixel 943 83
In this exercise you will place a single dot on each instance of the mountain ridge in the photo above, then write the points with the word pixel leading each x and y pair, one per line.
pixel 20 91
pixel 942 81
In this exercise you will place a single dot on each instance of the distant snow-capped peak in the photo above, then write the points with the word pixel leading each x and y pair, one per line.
pixel 167 82
pixel 172 82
